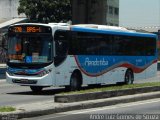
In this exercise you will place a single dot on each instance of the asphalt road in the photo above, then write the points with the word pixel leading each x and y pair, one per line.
pixel 143 110
pixel 14 94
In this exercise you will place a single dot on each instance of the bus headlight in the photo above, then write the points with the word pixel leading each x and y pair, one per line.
pixel 44 72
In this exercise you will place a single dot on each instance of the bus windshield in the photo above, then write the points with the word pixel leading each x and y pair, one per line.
pixel 30 49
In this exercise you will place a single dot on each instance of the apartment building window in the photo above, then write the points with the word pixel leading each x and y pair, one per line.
pixel 110 10
pixel 116 11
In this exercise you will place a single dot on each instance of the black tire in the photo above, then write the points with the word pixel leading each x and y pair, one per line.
pixel 129 77
pixel 75 82
pixel 36 88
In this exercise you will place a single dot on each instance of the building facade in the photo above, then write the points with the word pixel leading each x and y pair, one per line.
pixel 105 12
pixel 8 10
pixel 112 17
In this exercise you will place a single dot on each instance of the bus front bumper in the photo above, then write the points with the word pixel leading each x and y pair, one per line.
pixel 30 80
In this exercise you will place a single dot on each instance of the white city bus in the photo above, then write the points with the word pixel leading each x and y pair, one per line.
pixel 44 55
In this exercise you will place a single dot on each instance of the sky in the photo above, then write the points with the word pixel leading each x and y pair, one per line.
pixel 139 13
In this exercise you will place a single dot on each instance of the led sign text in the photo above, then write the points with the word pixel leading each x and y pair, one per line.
pixel 28 29
pixel 33 29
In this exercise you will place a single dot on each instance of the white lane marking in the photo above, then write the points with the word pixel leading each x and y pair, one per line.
pixel 104 108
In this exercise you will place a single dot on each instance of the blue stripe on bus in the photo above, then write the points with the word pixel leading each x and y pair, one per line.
pixel 113 32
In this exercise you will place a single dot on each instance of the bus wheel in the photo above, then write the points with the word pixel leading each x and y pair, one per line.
pixel 75 82
pixel 36 88
pixel 129 77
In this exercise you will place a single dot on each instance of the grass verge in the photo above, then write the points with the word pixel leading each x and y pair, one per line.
pixel 7 109
pixel 113 87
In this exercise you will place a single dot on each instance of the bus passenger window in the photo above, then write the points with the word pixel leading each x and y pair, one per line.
pixel 61 46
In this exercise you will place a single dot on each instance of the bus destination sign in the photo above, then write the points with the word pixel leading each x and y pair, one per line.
pixel 30 29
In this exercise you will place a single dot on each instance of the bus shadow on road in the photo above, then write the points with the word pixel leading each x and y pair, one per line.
pixel 53 91
pixel 45 92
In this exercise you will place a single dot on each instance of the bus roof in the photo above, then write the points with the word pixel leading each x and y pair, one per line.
pixel 109 30
pixel 95 29
pixel 42 24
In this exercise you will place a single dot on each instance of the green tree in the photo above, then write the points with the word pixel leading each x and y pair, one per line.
pixel 46 10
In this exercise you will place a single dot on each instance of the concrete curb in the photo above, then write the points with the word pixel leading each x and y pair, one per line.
pixel 101 95
pixel 82 105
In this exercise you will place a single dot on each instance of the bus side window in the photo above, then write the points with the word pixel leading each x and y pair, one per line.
pixel 150 47
pixel 61 46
